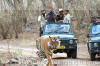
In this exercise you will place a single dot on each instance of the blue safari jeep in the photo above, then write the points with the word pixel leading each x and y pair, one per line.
pixel 94 40
pixel 68 43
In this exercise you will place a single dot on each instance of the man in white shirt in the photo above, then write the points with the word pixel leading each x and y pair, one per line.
pixel 67 17
pixel 41 18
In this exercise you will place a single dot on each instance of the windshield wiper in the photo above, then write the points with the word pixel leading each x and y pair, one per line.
pixel 50 32
pixel 63 32
pixel 56 31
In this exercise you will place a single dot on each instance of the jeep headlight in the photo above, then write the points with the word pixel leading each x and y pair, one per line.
pixel 95 44
pixel 71 41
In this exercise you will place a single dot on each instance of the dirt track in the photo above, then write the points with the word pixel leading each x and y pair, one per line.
pixel 28 49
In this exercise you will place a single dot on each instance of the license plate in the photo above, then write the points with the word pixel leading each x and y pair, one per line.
pixel 61 47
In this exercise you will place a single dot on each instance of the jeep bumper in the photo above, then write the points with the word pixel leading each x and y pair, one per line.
pixel 65 50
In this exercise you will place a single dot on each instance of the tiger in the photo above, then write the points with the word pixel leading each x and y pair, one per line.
pixel 46 45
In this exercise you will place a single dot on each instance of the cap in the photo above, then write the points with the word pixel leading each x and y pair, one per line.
pixel 60 9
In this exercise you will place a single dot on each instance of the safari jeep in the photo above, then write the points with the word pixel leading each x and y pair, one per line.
pixel 94 40
pixel 68 43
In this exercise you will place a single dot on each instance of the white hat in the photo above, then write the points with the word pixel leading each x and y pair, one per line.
pixel 60 9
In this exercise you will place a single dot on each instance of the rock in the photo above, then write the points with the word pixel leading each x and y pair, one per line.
pixel 14 61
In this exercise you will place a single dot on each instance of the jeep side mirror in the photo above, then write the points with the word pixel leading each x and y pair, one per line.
pixel 88 36
pixel 41 31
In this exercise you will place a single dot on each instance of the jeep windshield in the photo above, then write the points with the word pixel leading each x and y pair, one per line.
pixel 95 29
pixel 57 29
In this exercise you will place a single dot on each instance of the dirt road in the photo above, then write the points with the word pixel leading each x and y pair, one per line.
pixel 26 48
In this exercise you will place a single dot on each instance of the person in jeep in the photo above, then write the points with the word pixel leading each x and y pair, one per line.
pixel 51 16
pixel 41 18
pixel 60 16
pixel 67 17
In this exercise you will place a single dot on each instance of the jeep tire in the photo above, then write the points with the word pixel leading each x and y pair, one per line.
pixel 74 54
pixel 68 55
pixel 92 56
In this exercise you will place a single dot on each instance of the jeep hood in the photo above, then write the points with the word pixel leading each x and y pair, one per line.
pixel 60 36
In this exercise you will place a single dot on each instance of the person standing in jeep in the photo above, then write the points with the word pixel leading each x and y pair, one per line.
pixel 60 16
pixel 51 16
pixel 67 17
pixel 41 18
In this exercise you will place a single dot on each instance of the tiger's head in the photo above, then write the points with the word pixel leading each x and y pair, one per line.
pixel 54 42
